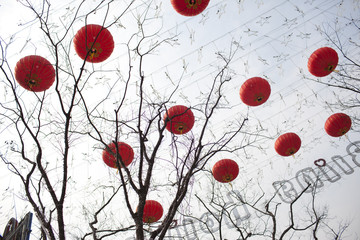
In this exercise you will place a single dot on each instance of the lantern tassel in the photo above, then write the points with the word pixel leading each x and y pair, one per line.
pixel 92 55
pixel 32 83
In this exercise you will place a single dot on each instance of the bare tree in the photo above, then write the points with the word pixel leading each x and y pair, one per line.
pixel 99 104
pixel 346 76
pixel 49 125
pixel 256 216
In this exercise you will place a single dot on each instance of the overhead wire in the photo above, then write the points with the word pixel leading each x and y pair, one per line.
pixel 304 84
pixel 324 87
pixel 231 31
pixel 239 103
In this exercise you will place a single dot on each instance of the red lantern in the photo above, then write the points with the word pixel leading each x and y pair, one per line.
pixel 179 119
pixel 34 73
pixel 153 211
pixel 323 61
pixel 95 42
pixel 225 170
pixel 125 151
pixel 255 91
pixel 189 7
pixel 338 124
pixel 287 144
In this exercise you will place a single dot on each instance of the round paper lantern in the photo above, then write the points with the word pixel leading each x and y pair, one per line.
pixel 34 73
pixel 125 151
pixel 189 7
pixel 225 170
pixel 323 61
pixel 179 119
pixel 338 124
pixel 153 211
pixel 95 42
pixel 287 144
pixel 255 91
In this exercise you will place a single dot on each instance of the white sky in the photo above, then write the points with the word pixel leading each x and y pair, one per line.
pixel 276 39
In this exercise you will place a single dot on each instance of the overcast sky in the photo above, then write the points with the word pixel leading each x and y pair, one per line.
pixel 274 40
